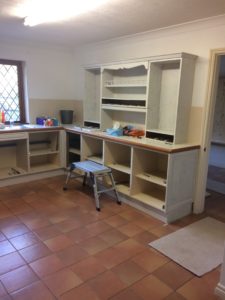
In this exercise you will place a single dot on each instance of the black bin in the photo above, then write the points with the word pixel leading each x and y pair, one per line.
pixel 66 116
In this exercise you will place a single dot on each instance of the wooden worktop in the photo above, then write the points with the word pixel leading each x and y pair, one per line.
pixel 142 142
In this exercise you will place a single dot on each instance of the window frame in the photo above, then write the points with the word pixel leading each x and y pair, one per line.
pixel 21 93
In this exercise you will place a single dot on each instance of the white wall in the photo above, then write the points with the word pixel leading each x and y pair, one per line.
pixel 57 73
pixel 50 74
pixel 196 38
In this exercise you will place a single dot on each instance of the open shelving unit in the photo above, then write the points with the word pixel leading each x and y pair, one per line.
pixel 92 149
pixel 124 91
pixel 13 155
pixel 118 158
pixel 92 97
pixel 74 147
pixel 44 151
pixel 170 90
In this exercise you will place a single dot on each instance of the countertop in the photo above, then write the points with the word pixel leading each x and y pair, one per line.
pixel 27 127
pixel 142 142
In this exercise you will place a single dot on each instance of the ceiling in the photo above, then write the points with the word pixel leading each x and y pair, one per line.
pixel 112 20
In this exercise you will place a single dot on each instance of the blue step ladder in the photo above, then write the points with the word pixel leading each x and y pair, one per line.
pixel 94 171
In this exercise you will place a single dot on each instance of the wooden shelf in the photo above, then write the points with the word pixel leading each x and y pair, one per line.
pixel 11 172
pixel 124 85
pixel 156 199
pixel 39 152
pixel 43 167
pixel 120 167
pixel 134 108
pixel 156 177
pixel 74 150
pixel 123 188
pixel 95 158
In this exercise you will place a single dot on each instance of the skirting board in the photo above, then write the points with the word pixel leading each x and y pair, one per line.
pixel 31 177
pixel 220 291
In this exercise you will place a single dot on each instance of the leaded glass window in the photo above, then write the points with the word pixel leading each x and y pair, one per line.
pixel 11 90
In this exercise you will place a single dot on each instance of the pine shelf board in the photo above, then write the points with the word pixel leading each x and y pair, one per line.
pixel 43 167
pixel 124 189
pixel 155 199
pixel 121 168
pixel 95 158
pixel 156 177
pixel 124 108
pixel 74 151
pixel 40 152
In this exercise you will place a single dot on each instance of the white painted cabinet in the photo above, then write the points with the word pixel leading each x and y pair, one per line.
pixel 160 181
pixel 124 96
pixel 92 97
pixel 44 151
pixel 13 154
pixel 31 152
pixel 170 90
pixel 154 95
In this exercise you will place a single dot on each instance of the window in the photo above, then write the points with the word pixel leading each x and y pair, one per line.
pixel 12 90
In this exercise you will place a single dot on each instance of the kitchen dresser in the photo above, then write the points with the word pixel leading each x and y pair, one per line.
pixel 151 175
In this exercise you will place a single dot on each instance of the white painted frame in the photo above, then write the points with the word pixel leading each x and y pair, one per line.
pixel 208 115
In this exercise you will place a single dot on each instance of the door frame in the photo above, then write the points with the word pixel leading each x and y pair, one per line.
pixel 207 128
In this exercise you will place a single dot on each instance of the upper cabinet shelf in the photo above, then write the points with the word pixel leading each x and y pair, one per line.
pixel 154 95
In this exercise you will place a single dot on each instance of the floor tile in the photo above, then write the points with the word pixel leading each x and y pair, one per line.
pixel 116 221
pixel 129 272
pixel 2 237
pixel 130 229
pixel 98 227
pixel 130 247
pixel 112 237
pixel 15 230
pixel 197 289
pixel 24 240
pixel 9 222
pixel 106 285
pixel 93 245
pixel 71 255
pixel 88 268
pixel 174 296
pixel 18 278
pixel 34 291
pixel 35 252
pixel 62 281
pixel 3 291
pixel 111 257
pixel 68 225
pixel 145 237
pixel 82 292
pixel 79 234
pixel 47 265
pixel 127 294
pixel 58 243
pixel 151 287
pixel 10 262
pixel 173 275
pixel 150 260
pixel 6 248
pixel 48 232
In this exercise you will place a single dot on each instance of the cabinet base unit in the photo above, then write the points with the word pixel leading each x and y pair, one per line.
pixel 92 149
pixel 157 178
pixel 73 147
pixel 13 155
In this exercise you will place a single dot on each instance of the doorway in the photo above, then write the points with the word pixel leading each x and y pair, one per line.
pixel 209 109
pixel 216 165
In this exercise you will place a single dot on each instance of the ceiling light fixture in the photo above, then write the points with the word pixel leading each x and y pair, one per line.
pixel 37 12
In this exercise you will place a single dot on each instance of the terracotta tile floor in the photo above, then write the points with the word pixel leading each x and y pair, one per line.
pixel 55 245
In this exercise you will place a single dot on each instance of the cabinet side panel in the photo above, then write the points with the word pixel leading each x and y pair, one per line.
pixel 185 100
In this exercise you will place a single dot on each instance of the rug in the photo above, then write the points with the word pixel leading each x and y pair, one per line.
pixel 198 247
